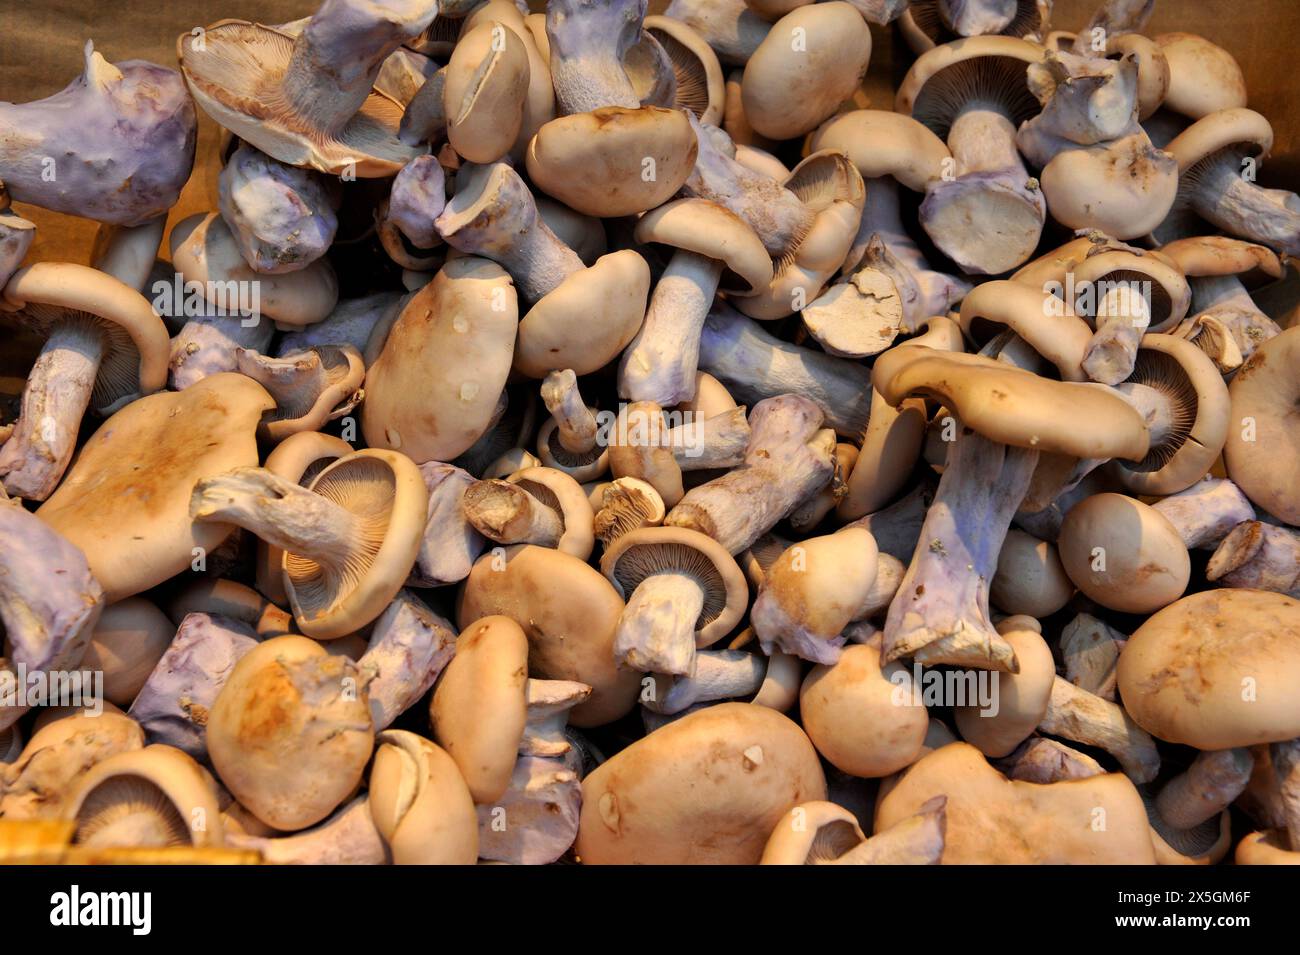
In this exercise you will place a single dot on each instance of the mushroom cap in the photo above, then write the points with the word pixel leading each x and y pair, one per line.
pixel 864 719
pixel 485 87
pixel 290 732
pixel 812 833
pixel 1170 294
pixel 420 804
pixel 433 390
pixel 613 147
pixel 1262 451
pixel 1216 669
pixel 479 706
pixel 569 613
pixel 557 331
pixel 136 345
pixel 317 385
pixel 228 598
pixel 1202 420
pixel 1123 554
pixel 1212 255
pixel 789 87
pixel 1022 698
pixel 992 820
pixel 126 499
pixel 1030 579
pixel 1078 419
pixel 204 250
pixel 640 553
pixel 1203 844
pixel 701 87
pixel 708 229
pixel 385 492
pixel 238 76
pixel 1124 187
pixel 1203 78
pixel 1153 73
pixel 625 504
pixel 127 643
pixel 151 797
pixel 708 788
pixel 1270 847
pixel 942 80
pixel 1221 130
pixel 564 495
pixel 1057 334
pixel 884 143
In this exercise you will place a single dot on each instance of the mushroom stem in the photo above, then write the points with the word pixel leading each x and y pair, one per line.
pixel 349 837
pixel 409 647
pixel 338 55
pixel 1156 408
pixel 1259 556
pixel 55 398
pixel 280 513
pixel 207 345
pixel 1206 512
pixel 941 614
pixel 575 425
pixel 976 17
pixel 16 237
pixel 717 442
pixel 1222 196
pixel 917 840
pixel 589 39
pixel 1285 758
pixel 548 705
pixel 508 514
pixel 776 214
pixel 660 363
pixel 656 633
pixel 1082 717
pixel 1090 650
pixel 1210 784
pixel 1121 320
pixel 1224 299
pixel 719 675
pixel 984 140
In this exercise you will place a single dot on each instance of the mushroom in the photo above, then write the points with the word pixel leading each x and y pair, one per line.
pixel 814 590
pixel 406 224
pixel 627 504
pixel 450 544
pixel 104 346
pixel 151 797
pixel 207 345
pixel 1263 446
pixel 1211 154
pixel 434 388
pixel 175 703
pixel 485 89
pixel 285 95
pixel 589 40
pixel 16 237
pixel 1189 815
pixel 119 142
pixel 811 60
pixel 823 833
pixel 864 718
pixel 731 674
pixel 349 540
pixel 290 732
pixel 348 837
pixel 925 23
pixel 533 506
pixel 1022 700
pixel 227 598
pixel 50 603
pixel 570 614
pixel 990 819
pixel 759 766
pixel 311 388
pixel 973 94
pixel 683 590
pixel 700 84
pixel 409 646
pixel 420 804
pixel 1090 650
pixel 789 457
pixel 1203 78
pixel 709 240
pixel 730 27
pixel 569 441
pixel 1206 512
pixel 281 217
pixel 1030 578
pixel 641 445
pixel 493 214
pixel 128 641
pixel 1258 556
pixel 354 321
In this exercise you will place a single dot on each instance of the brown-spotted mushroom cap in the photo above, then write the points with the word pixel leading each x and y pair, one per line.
pixel 1262 452
pixel 125 501
pixel 811 60
pixel 683 590
pixel 290 733
pixel 708 788
pixel 1203 78
pixel 350 538
pixel 1216 670
pixel 308 100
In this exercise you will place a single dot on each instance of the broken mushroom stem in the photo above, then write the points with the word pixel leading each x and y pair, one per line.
pixel 719 675
pixel 508 514
pixel 548 703
pixel 1075 714
pixel 575 425
pixel 1206 788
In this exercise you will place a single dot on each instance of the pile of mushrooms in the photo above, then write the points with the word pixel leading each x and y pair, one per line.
pixel 587 434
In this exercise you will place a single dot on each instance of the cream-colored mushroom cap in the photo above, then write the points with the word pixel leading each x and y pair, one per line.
pixel 1263 442
pixel 1215 670
pixel 811 60
pixel 1021 698
pixel 596 162
pixel 713 231
pixel 701 87
pixel 1222 255
pixel 486 84
pixel 125 500
pixel 420 804
pixel 1030 579
pixel 1203 77
pixel 152 797
pixel 564 495
pixel 708 788
pixel 813 833
pixel 1123 554
pixel 884 143
pixel 129 639
pixel 932 91
pixel 1221 130
pixel 867 721
pixel 479 706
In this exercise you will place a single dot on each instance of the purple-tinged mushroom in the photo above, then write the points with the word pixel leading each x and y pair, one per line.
pixel 117 145
pixel 353 322
pixel 282 218
pixel 210 344
pixel 16 236
pixel 409 646
pixel 450 544
pixel 589 40
pixel 1259 556
pixel 348 837
pixel 536 820
pixel 406 224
